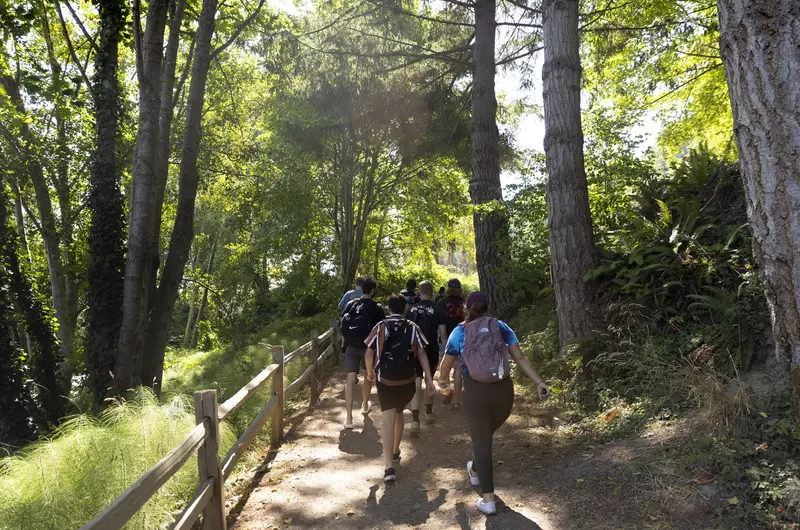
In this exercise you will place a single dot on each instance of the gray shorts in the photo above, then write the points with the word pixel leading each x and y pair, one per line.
pixel 354 358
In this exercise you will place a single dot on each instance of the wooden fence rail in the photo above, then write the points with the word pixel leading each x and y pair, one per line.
pixel 203 440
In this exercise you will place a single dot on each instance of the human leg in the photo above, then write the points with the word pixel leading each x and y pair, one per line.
pixel 366 388
pixel 399 422
pixel 389 418
pixel 479 419
pixel 415 404
pixel 348 398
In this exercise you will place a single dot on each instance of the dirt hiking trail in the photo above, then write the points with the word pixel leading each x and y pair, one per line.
pixel 327 477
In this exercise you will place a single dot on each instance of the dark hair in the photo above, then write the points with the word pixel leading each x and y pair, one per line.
pixel 411 285
pixel 453 291
pixel 369 285
pixel 476 311
pixel 397 304
pixel 441 290
pixel 360 282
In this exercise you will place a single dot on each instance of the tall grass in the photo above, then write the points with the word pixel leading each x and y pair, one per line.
pixel 63 482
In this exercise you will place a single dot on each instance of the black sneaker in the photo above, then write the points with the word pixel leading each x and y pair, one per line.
pixel 396 457
pixel 389 475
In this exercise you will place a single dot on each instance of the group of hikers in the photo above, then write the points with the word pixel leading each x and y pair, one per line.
pixel 420 335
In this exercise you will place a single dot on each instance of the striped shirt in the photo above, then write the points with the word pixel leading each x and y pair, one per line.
pixel 377 337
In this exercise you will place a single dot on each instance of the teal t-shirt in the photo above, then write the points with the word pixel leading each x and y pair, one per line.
pixel 455 343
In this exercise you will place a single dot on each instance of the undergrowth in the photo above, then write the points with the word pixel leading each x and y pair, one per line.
pixel 65 480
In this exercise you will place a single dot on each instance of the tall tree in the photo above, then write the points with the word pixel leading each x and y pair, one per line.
pixel 759 42
pixel 106 232
pixel 183 231
pixel 15 424
pixel 572 248
pixel 491 225
pixel 149 55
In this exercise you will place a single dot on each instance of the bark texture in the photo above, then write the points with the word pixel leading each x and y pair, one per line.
pixel 759 40
pixel 106 232
pixel 183 231
pixel 135 307
pixel 485 190
pixel 569 220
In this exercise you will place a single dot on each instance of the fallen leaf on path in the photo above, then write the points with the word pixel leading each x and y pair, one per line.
pixel 763 414
pixel 287 521
pixel 500 462
pixel 350 512
pixel 733 501
pixel 610 415
pixel 580 480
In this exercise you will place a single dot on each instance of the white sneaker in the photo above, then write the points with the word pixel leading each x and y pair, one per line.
pixel 414 428
pixel 472 478
pixel 348 425
pixel 489 508
pixel 430 418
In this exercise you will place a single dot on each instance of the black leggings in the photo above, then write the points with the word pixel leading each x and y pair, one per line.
pixel 487 406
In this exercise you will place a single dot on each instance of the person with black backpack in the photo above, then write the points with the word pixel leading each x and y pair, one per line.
pixel 392 347
pixel 410 292
pixel 430 319
pixel 358 319
pixel 453 306
pixel 484 344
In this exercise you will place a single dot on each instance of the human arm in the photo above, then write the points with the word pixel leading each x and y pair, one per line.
pixel 526 366
pixel 369 360
pixel 422 357
pixel 343 302
pixel 444 370
pixel 443 336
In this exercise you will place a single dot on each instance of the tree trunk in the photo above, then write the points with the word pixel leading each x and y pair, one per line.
pixel 201 311
pixel 49 228
pixel 759 42
pixel 486 192
pixel 19 217
pixel 135 307
pixel 190 320
pixel 107 225
pixel 569 220
pixel 163 149
pixel 183 231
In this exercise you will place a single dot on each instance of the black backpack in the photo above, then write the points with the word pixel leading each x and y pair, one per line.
pixel 424 316
pixel 396 361
pixel 357 321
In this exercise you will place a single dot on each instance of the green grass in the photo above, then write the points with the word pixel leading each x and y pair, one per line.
pixel 65 480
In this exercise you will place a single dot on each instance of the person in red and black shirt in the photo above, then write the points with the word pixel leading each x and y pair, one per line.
pixel 391 348
pixel 453 306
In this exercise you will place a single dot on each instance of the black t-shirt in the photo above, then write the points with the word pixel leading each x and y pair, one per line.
pixel 376 314
pixel 429 322
pixel 453 307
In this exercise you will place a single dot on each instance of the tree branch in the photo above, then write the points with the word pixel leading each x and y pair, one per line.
pixel 523 6
pixel 468 5
pixel 519 56
pixel 690 80
pixel 184 74
pixel 71 49
pixel 137 39
pixel 239 30
pixel 401 11
pixel 78 21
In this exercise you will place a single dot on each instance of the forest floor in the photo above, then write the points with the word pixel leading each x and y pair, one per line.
pixel 548 479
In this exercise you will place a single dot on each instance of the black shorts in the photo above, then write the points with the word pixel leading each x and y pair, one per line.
pixel 395 397
pixel 433 360
pixel 354 358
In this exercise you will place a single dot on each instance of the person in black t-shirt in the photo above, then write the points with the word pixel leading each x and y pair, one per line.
pixel 410 292
pixel 430 319
pixel 453 306
pixel 355 348
pixel 440 295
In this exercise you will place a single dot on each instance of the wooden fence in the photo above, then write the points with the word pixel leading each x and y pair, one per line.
pixel 209 498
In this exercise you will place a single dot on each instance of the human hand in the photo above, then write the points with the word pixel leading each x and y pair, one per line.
pixel 543 391
pixel 430 388
pixel 371 376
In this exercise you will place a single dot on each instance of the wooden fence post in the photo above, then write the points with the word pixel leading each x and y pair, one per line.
pixel 336 340
pixel 277 390
pixel 312 357
pixel 205 406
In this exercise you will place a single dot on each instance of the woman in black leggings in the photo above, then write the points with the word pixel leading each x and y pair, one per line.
pixel 487 405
